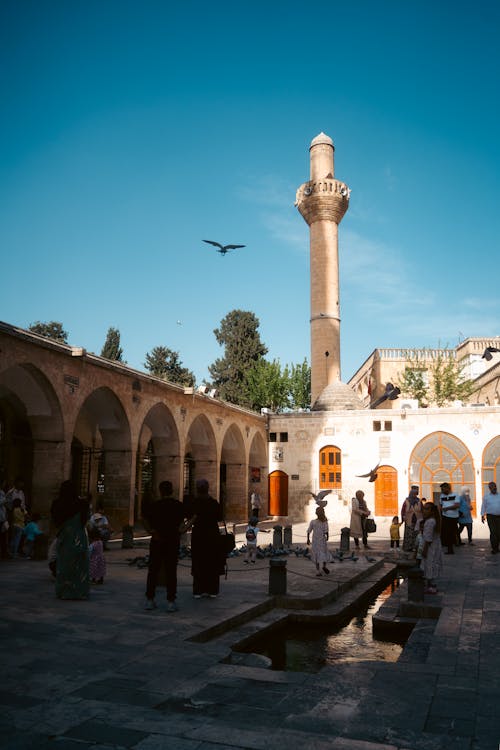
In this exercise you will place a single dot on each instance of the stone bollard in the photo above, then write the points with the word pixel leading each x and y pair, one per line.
pixel 127 537
pixel 344 539
pixel 287 536
pixel 415 585
pixel 277 576
pixel 278 536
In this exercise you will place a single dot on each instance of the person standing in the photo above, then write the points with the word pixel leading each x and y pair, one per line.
pixel 255 504
pixel 394 532
pixel 449 517
pixel 319 550
pixel 70 514
pixel 97 561
pixel 17 492
pixel 251 533
pixel 490 512
pixel 100 522
pixel 465 515
pixel 359 514
pixel 31 532
pixel 165 518
pixel 4 524
pixel 411 515
pixel 205 542
pixel 17 526
pixel 432 553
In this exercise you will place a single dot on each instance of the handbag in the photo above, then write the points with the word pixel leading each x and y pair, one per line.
pixel 228 541
pixel 370 526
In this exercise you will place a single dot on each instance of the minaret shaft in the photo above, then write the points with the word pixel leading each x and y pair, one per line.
pixel 322 202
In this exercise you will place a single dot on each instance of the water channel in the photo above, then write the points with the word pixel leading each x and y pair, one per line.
pixel 305 647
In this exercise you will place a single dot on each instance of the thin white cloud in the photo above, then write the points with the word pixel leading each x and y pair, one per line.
pixel 287 228
pixel 280 218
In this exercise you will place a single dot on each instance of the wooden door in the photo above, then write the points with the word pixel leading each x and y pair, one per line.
pixel 278 494
pixel 386 492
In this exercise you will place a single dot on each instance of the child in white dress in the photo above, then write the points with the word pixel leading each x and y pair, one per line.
pixel 319 549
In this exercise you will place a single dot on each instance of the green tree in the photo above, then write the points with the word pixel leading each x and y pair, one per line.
pixel 413 382
pixel 112 349
pixel 51 330
pixel 448 382
pixel 165 363
pixel 300 386
pixel 238 334
pixel 267 385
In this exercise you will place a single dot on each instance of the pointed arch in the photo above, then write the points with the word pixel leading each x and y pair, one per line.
pixel 201 455
pixel 491 464
pixel 233 474
pixel 441 457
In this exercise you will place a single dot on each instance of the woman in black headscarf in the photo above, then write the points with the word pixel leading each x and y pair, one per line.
pixel 205 542
pixel 69 514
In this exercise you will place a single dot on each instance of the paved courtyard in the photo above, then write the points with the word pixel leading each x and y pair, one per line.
pixel 106 674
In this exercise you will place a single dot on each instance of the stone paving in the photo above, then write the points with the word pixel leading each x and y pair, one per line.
pixel 106 674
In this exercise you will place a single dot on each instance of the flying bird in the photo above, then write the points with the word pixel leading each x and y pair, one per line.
pixel 223 249
pixel 391 393
pixel 488 352
pixel 319 497
pixel 372 474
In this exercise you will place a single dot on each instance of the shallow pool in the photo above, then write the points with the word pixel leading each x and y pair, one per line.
pixel 300 647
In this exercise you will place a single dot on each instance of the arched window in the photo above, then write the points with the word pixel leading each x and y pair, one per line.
pixel 441 457
pixel 330 468
pixel 491 464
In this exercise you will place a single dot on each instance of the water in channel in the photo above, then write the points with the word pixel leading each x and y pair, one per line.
pixel 300 647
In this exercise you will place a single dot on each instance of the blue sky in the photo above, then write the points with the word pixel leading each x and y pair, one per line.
pixel 130 131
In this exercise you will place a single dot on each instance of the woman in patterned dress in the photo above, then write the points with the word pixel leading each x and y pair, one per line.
pixel 432 553
pixel 70 515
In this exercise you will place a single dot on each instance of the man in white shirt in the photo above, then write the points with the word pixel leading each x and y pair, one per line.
pixel 490 511
pixel 255 504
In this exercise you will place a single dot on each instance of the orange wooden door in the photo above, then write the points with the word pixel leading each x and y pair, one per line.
pixel 278 494
pixel 330 468
pixel 386 492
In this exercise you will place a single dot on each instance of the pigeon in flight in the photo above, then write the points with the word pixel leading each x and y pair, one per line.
pixel 319 497
pixel 488 352
pixel 223 249
pixel 372 474
pixel 391 393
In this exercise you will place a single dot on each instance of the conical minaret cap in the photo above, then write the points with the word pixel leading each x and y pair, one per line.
pixel 321 138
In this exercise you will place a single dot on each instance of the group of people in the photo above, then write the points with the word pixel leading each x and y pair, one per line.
pixel 77 556
pixel 19 526
pixel 428 528
pixel 167 519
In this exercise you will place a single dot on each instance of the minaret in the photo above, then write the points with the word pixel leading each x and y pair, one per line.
pixel 322 202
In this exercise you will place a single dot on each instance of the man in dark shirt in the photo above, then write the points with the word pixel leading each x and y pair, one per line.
pixel 165 517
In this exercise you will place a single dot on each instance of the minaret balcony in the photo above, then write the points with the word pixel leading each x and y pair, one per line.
pixel 323 200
